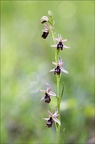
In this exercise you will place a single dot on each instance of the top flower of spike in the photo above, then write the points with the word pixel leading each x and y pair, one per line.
pixel 60 43
pixel 44 19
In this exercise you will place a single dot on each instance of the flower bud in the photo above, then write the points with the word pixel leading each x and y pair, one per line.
pixel 50 13
pixel 44 19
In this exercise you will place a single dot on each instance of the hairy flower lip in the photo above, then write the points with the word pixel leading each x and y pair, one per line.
pixel 45 31
pixel 45 34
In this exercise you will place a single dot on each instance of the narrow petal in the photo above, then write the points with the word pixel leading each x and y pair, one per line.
pixel 52 70
pixel 50 113
pixel 54 45
pixel 54 63
pixel 42 91
pixel 63 70
pixel 57 39
pixel 60 61
pixel 56 113
pixel 46 119
pixel 57 120
pixel 52 93
pixel 48 87
pixel 42 98
pixel 61 64
pixel 64 40
pixel 65 46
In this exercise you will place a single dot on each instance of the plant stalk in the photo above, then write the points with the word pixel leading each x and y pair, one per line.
pixel 58 90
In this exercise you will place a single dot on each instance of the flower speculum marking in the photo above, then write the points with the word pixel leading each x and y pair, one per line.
pixel 47 98
pixel 49 122
pixel 57 70
pixel 60 46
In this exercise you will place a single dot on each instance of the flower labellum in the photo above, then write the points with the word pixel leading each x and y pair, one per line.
pixel 60 45
pixel 57 70
pixel 50 122
pixel 45 32
pixel 47 98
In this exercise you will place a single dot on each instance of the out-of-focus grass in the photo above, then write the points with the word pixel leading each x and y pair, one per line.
pixel 25 63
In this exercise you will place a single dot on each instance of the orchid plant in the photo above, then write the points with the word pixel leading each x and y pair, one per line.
pixel 49 24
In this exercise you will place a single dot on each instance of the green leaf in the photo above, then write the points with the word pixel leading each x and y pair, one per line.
pixel 63 129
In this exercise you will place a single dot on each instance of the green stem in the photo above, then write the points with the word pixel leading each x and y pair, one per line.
pixel 58 89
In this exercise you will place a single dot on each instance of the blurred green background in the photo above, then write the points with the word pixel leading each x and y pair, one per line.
pixel 25 63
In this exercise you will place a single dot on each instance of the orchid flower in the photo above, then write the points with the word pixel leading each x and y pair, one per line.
pixel 47 93
pixel 45 31
pixel 59 67
pixel 60 43
pixel 52 118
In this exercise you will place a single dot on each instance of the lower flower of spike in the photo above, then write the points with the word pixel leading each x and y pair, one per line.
pixel 52 118
pixel 45 31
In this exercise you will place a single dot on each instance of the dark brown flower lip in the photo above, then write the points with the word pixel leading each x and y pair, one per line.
pixel 45 34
